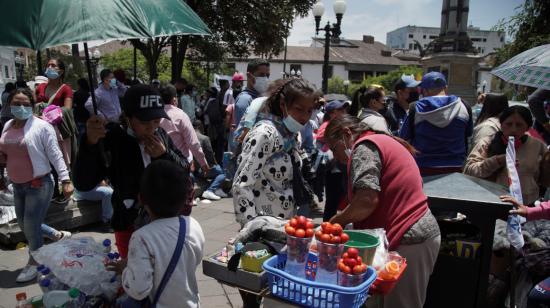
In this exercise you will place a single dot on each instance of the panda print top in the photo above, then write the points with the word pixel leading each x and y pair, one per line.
pixel 263 181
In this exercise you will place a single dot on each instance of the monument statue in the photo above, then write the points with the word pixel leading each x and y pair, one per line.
pixel 453 35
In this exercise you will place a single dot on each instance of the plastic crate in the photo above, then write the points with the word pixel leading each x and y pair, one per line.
pixel 310 293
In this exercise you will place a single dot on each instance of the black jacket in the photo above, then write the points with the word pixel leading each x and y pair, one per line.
pixel 124 171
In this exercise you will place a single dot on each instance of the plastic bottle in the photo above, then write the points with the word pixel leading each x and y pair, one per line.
pixel 390 271
pixel 39 274
pixel 54 283
pixel 106 246
pixel 77 299
pixel 45 285
pixel 22 300
pixel 57 298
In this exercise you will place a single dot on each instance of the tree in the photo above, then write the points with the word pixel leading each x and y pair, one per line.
pixel 238 28
pixel 529 28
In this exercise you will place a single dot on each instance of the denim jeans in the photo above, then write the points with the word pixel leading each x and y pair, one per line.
pixel 31 206
pixel 100 193
pixel 216 172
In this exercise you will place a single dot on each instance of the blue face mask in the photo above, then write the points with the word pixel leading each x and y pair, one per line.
pixel 291 124
pixel 112 83
pixel 52 73
pixel 21 112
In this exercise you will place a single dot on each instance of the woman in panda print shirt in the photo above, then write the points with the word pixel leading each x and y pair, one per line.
pixel 263 181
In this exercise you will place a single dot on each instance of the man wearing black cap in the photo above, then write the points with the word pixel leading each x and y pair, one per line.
pixel 405 93
pixel 127 149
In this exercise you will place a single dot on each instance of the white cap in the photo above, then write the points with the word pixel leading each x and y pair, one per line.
pixel 40 79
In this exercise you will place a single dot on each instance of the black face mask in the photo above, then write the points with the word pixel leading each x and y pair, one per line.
pixel 413 97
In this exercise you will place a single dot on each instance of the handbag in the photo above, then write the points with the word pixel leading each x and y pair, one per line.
pixel 146 302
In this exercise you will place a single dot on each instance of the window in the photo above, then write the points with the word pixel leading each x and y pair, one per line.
pixel 356 76
pixel 296 68
pixel 410 35
pixel 415 47
pixel 6 72
pixel 485 40
pixel 433 37
pixel 476 39
pixel 410 46
pixel 424 36
pixel 502 39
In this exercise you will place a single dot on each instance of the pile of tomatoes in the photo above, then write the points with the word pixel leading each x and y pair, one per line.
pixel 351 263
pixel 300 226
pixel 331 234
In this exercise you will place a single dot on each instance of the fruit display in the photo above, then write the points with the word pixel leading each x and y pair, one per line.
pixel 330 245
pixel 351 268
pixel 331 234
pixel 299 231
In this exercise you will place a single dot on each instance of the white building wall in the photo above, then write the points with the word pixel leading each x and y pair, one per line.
pixel 487 77
pixel 7 66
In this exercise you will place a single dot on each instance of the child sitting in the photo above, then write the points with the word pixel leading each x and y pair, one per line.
pixel 152 247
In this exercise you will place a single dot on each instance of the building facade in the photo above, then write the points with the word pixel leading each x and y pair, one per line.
pixel 7 66
pixel 351 60
pixel 404 38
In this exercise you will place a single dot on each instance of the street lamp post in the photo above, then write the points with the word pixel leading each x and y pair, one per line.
pixel 333 31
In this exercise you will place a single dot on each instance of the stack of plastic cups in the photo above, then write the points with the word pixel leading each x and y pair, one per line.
pixel 350 280
pixel 297 253
pixel 327 264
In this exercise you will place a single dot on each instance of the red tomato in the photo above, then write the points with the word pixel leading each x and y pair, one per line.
pixel 300 233
pixel 353 252
pixel 310 225
pixel 293 223
pixel 309 232
pixel 363 267
pixel 328 229
pixel 335 239
pixel 358 269
pixel 345 237
pixel 337 229
pixel 350 262
pixel 359 260
pixel 318 234
pixel 325 238
pixel 341 266
pixel 347 269
pixel 302 221
pixel 345 255
pixel 324 226
pixel 290 230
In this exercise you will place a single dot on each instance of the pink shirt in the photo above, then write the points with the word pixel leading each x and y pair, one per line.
pixel 182 133
pixel 12 144
pixel 539 212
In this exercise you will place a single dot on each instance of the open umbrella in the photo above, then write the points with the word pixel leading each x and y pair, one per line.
pixel 530 68
pixel 38 24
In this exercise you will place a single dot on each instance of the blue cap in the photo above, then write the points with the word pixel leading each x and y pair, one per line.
pixel 433 80
pixel 409 81
pixel 334 105
pixel 40 267
pixel 107 242
pixel 45 282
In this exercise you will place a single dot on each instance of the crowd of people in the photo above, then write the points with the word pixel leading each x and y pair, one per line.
pixel 276 147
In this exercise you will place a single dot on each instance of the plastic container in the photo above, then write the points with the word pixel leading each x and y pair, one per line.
pixel 252 264
pixel 382 286
pixel 312 293
pixel 364 242
pixel 350 280
pixel 77 299
pixel 106 245
pixel 328 255
pixel 56 298
pixel 297 251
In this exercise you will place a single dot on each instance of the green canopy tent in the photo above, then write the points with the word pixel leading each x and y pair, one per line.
pixel 38 24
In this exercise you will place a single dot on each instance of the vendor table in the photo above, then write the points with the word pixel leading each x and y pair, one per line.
pixel 462 282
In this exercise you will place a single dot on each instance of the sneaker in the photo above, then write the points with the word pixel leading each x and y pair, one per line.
pixel 206 201
pixel 27 274
pixel 220 193
pixel 207 194
pixel 196 201
pixel 65 235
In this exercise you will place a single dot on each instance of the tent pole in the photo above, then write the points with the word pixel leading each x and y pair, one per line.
pixel 90 78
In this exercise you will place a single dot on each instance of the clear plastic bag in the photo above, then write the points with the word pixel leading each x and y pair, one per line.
pixel 381 254
pixel 79 263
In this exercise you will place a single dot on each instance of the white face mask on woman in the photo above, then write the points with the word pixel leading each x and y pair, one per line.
pixel 261 84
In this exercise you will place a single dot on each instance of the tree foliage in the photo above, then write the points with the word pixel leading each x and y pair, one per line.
pixel 529 28
pixel 336 84
pixel 238 28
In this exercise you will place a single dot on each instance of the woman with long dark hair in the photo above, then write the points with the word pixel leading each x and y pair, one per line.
pixel 487 123
pixel 55 91
pixel 385 191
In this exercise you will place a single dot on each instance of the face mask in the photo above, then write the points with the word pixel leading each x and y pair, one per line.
pixel 238 88
pixel 291 124
pixel 52 73
pixel 21 112
pixel 261 84
pixel 112 83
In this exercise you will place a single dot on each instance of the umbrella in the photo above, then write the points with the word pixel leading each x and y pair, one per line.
pixel 530 68
pixel 38 24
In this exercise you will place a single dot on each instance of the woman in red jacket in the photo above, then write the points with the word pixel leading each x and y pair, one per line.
pixel 385 191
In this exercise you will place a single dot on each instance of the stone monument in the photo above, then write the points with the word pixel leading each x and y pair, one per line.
pixel 452 53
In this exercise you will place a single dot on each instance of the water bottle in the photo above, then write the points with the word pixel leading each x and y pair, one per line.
pixel 77 299
pixel 56 298
pixel 39 275
pixel 54 283
pixel 45 285
pixel 107 246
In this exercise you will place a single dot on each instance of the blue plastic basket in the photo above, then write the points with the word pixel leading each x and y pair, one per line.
pixel 310 293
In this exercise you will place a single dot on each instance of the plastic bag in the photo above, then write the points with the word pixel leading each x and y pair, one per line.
pixel 381 254
pixel 79 263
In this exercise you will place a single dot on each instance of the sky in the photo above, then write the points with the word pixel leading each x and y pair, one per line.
pixel 377 17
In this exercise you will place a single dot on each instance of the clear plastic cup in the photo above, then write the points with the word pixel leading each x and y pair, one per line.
pixel 327 264
pixel 297 253
pixel 350 280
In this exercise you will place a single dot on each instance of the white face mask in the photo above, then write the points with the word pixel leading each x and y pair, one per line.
pixel 261 84
pixel 347 150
